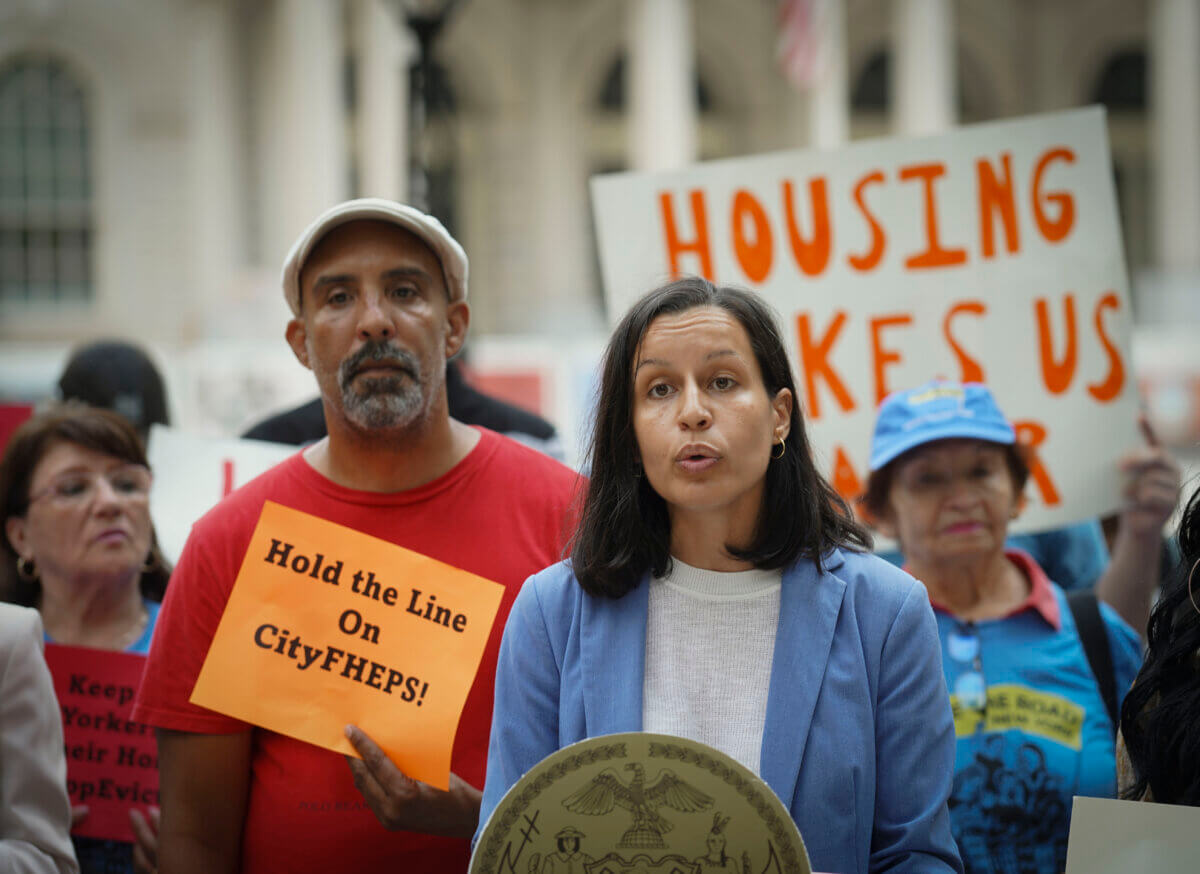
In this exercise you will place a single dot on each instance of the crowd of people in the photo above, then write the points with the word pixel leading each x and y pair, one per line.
pixel 704 580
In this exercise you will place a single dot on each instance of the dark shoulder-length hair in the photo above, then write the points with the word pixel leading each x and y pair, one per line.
pixel 77 423
pixel 1160 715
pixel 624 529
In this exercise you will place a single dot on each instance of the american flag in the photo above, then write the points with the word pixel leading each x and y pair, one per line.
pixel 800 54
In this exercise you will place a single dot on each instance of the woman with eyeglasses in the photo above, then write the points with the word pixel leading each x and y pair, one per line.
pixel 718 589
pixel 1030 719
pixel 79 547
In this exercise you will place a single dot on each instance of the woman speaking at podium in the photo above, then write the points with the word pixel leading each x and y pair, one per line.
pixel 719 589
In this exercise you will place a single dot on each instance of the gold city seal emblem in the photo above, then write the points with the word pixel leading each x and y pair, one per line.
pixel 640 803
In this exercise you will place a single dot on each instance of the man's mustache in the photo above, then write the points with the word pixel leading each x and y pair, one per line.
pixel 380 350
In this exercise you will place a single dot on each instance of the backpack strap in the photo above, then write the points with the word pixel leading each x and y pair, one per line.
pixel 1094 636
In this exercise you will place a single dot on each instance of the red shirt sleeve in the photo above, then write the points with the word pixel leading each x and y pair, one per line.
pixel 196 597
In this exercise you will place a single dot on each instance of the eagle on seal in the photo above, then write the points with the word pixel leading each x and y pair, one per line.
pixel 606 791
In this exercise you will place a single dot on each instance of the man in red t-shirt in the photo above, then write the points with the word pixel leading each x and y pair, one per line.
pixel 378 291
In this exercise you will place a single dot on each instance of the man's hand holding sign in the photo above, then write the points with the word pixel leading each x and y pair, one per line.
pixel 379 636
pixel 404 804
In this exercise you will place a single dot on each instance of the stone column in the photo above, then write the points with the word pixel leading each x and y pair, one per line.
pixel 660 84
pixel 829 106
pixel 561 290
pixel 219 244
pixel 301 120
pixel 385 50
pixel 1175 113
pixel 925 78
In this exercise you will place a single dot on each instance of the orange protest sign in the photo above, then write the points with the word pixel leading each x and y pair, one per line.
pixel 327 626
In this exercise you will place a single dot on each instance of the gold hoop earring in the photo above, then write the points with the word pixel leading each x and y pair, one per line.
pixel 1191 594
pixel 26 570
pixel 782 450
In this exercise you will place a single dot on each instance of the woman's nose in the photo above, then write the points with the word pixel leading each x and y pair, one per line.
pixel 693 411
pixel 106 496
pixel 961 490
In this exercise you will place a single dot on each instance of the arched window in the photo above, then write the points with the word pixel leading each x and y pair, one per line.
pixel 871 91
pixel 45 184
pixel 1121 85
pixel 611 96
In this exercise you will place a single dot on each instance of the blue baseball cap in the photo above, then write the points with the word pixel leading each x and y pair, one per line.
pixel 936 410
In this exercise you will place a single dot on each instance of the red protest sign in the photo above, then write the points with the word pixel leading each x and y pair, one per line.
pixel 11 416
pixel 112 761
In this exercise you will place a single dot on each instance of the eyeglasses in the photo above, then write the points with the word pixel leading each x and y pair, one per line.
pixel 129 482
pixel 969 686
pixel 940 482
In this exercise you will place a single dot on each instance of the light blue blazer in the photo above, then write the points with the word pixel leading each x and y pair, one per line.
pixel 858 741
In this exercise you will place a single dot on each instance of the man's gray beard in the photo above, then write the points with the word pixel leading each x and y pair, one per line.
pixel 383 401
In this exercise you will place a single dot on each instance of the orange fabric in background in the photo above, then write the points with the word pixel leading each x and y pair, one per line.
pixel 524 388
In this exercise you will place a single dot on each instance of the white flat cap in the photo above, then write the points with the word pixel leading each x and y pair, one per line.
pixel 427 228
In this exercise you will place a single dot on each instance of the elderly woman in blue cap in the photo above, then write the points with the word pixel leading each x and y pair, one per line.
pixel 1031 719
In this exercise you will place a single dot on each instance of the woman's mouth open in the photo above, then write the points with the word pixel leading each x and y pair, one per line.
pixel 697 459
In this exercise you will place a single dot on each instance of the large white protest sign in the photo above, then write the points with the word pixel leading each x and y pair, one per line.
pixel 992 253
pixel 192 473
pixel 1123 837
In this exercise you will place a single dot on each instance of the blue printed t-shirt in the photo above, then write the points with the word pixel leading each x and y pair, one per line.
pixel 1043 735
